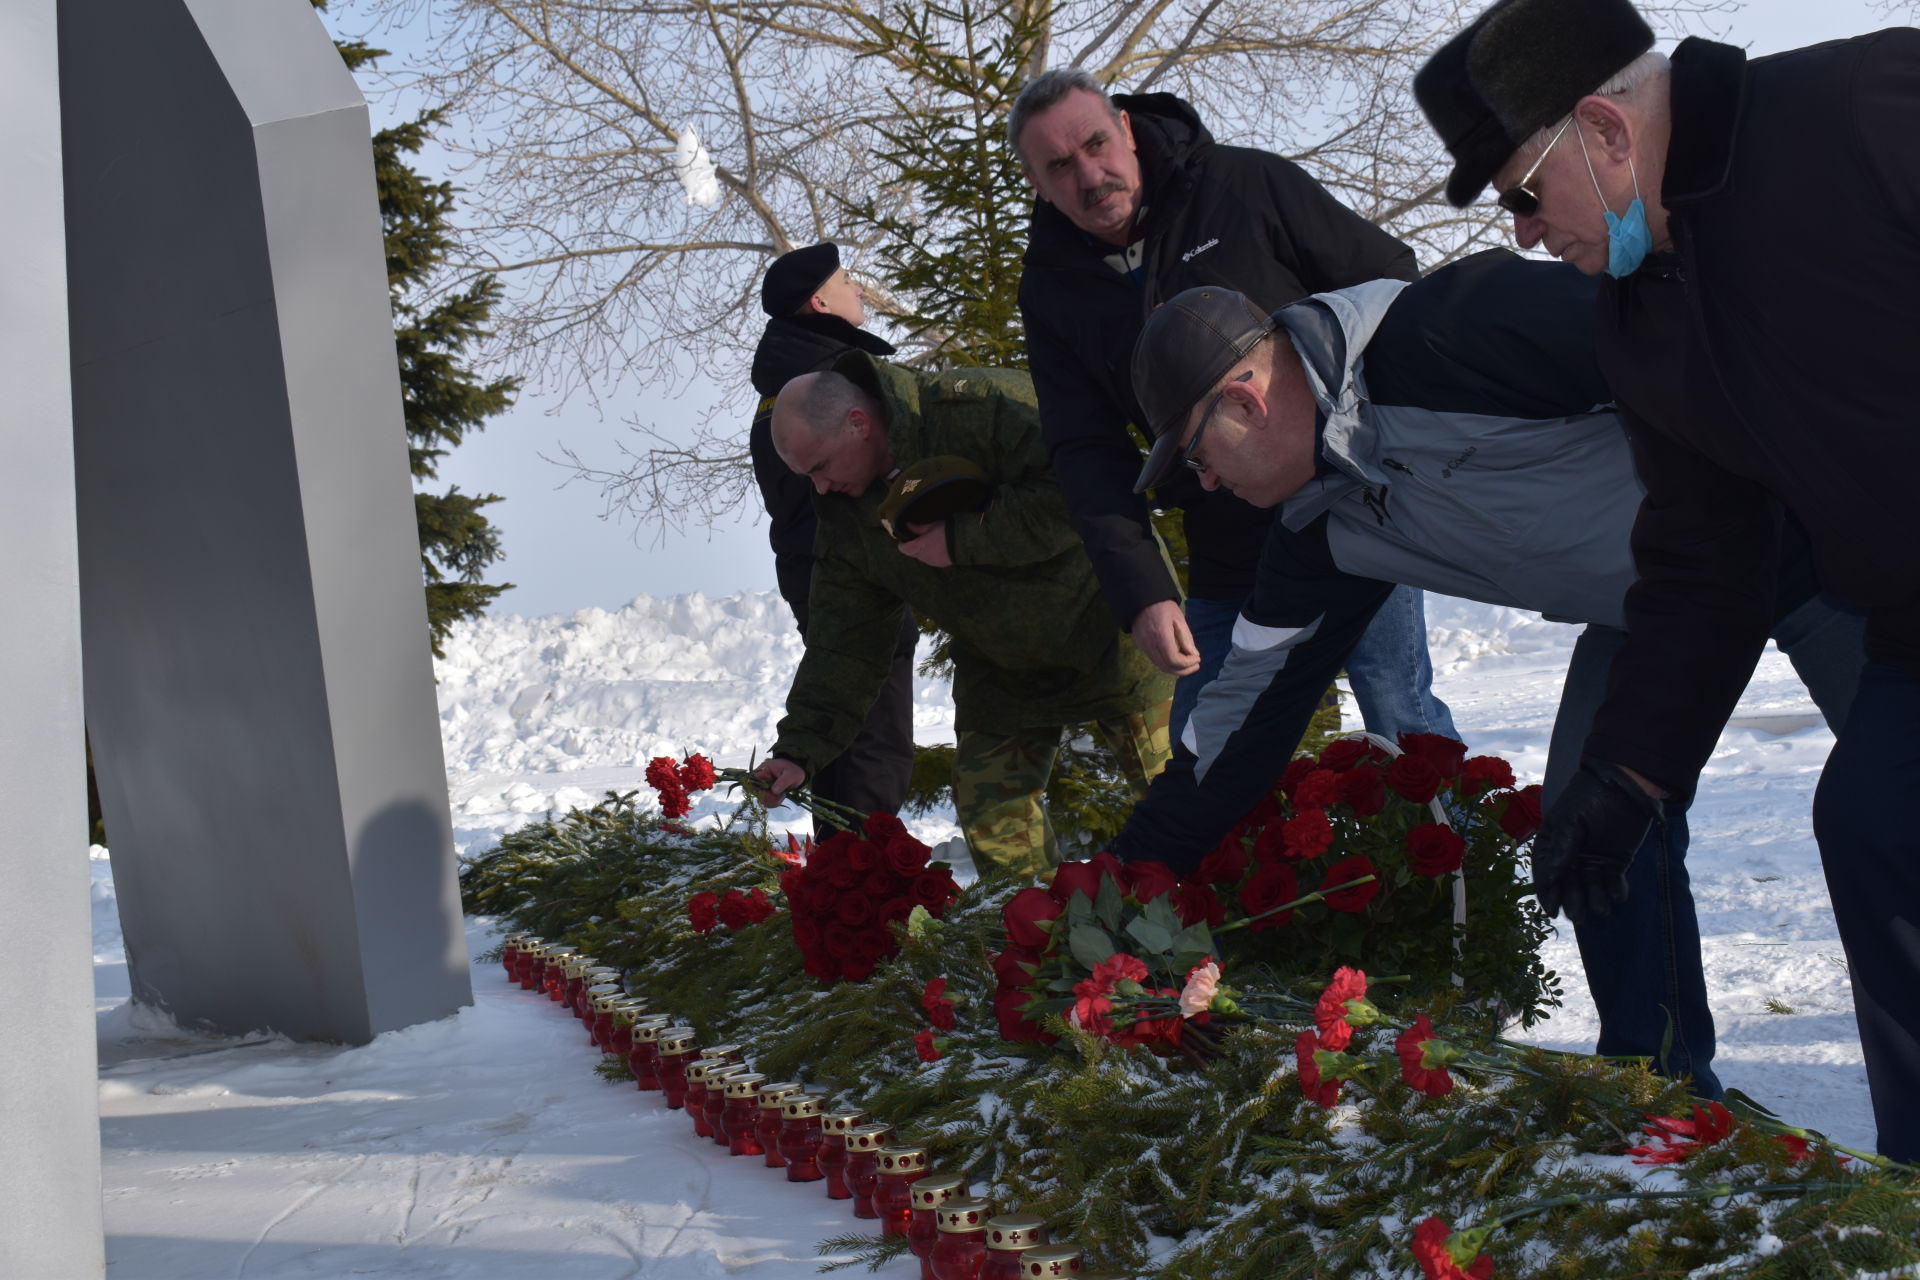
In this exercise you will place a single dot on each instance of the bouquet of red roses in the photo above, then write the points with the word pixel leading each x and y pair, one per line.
pixel 853 888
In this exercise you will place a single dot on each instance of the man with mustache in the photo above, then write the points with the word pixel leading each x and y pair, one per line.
pixel 1135 203
pixel 1758 224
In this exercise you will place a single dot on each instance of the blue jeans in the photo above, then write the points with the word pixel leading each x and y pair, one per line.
pixel 1643 959
pixel 1391 674
pixel 1863 817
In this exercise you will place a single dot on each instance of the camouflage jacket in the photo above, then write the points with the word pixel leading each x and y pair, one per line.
pixel 1032 642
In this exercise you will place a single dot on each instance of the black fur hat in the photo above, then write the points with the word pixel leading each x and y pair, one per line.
pixel 795 277
pixel 1519 67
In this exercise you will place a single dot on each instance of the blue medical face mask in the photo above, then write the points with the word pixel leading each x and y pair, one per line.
pixel 1629 239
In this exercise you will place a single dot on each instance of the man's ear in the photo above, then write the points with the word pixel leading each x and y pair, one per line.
pixel 817 305
pixel 1610 130
pixel 1245 400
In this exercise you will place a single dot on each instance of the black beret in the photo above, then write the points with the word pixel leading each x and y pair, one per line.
pixel 1519 67
pixel 795 277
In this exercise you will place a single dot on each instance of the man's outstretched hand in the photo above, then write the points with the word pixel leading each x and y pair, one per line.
pixel 1586 844
pixel 1160 631
pixel 777 777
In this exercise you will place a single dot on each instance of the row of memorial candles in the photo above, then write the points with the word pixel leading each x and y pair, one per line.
pixel 953 1234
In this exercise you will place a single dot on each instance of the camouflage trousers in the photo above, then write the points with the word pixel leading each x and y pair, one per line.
pixel 1000 785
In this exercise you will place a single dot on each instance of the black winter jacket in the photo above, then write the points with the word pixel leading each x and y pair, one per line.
pixel 791 346
pixel 1216 215
pixel 1765 367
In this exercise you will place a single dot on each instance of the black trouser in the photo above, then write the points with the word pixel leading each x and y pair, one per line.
pixel 871 775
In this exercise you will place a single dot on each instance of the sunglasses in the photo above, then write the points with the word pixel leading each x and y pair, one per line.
pixel 1521 199
pixel 1187 459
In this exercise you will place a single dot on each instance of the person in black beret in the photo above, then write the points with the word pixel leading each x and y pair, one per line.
pixel 1758 225
pixel 815 312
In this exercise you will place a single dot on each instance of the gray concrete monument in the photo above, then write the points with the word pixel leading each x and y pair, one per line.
pixel 259 685
pixel 49 1127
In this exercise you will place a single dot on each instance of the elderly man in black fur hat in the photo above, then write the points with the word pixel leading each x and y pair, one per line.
pixel 1759 225
pixel 816 310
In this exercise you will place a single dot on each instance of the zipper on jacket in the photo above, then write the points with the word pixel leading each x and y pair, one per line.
pixel 1442 492
pixel 1375 501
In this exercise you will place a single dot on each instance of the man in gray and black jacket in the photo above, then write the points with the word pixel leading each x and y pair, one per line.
pixel 1453 434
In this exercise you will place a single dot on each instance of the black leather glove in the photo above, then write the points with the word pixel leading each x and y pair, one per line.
pixel 1588 839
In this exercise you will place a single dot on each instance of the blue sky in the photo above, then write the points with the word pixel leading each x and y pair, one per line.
pixel 564 557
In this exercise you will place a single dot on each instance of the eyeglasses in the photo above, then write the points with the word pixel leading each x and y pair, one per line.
pixel 1521 199
pixel 1187 459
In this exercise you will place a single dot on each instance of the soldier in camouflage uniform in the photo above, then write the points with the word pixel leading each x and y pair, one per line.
pixel 1032 644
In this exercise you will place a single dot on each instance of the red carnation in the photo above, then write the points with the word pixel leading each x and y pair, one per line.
pixel 1485 773
pixel 733 910
pixel 697 773
pixel 1330 1011
pixel 1324 1092
pixel 1430 1241
pixel 1228 861
pixel 923 1044
pixel 1435 849
pixel 1023 915
pixel 702 911
pixel 1149 880
pixel 1356 898
pixel 1270 845
pixel 1414 778
pixel 759 906
pixel 1676 1139
pixel 1198 904
pixel 1269 887
pixel 1412 1046
pixel 939 1009
pixel 1316 789
pixel 1119 967
pixel 663 774
pixel 1521 818
pixel 1363 790
pixel 1443 753
pixel 1308 834
pixel 1297 768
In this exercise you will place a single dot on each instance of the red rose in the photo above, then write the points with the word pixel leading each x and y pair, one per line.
pixel 1148 880
pixel 697 773
pixel 1356 898
pixel 934 889
pixel 923 1044
pixel 1228 861
pixel 1084 877
pixel 835 846
pixel 1345 753
pixel 1364 791
pixel 1435 849
pixel 820 965
pixel 872 945
pixel 793 882
pixel 896 908
pixel 1268 810
pixel 843 876
pixel 1438 750
pixel 864 860
pixel 1010 967
pixel 1271 844
pixel 806 934
pixel 1270 886
pixel 1196 903
pixel 836 940
pixel 881 827
pixel 854 909
pixel 854 969
pixel 702 913
pixel 1485 773
pixel 1521 818
pixel 903 858
pixel 1307 835
pixel 1009 1007
pixel 1023 915
pixel 733 910
pixel 1316 789
pixel 1414 778
pixel 1297 768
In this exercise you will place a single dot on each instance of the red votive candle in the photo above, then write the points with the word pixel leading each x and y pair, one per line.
pixel 1050 1262
pixel 716 1103
pixel 927 1195
pixel 675 1050
pixel 900 1168
pixel 863 1164
pixel 740 1114
pixel 770 1121
pixel 834 1127
pixel 962 1243
pixel 800 1137
pixel 643 1060
pixel 1009 1236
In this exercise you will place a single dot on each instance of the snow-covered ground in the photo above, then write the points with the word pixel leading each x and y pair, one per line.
pixel 483 1146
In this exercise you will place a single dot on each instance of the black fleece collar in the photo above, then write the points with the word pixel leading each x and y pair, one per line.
pixel 1709 98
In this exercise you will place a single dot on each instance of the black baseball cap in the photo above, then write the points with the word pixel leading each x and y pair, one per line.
pixel 1516 69
pixel 1187 346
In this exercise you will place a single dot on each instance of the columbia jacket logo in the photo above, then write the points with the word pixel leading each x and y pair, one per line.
pixel 1197 250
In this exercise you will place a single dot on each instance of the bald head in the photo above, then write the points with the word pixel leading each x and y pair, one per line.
pixel 829 430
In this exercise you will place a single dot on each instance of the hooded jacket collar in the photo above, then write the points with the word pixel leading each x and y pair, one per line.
pixel 1170 141
pixel 793 345
pixel 1709 95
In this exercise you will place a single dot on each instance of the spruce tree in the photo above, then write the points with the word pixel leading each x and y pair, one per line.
pixel 442 397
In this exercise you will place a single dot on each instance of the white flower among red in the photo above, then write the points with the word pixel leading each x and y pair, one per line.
pixel 1203 981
